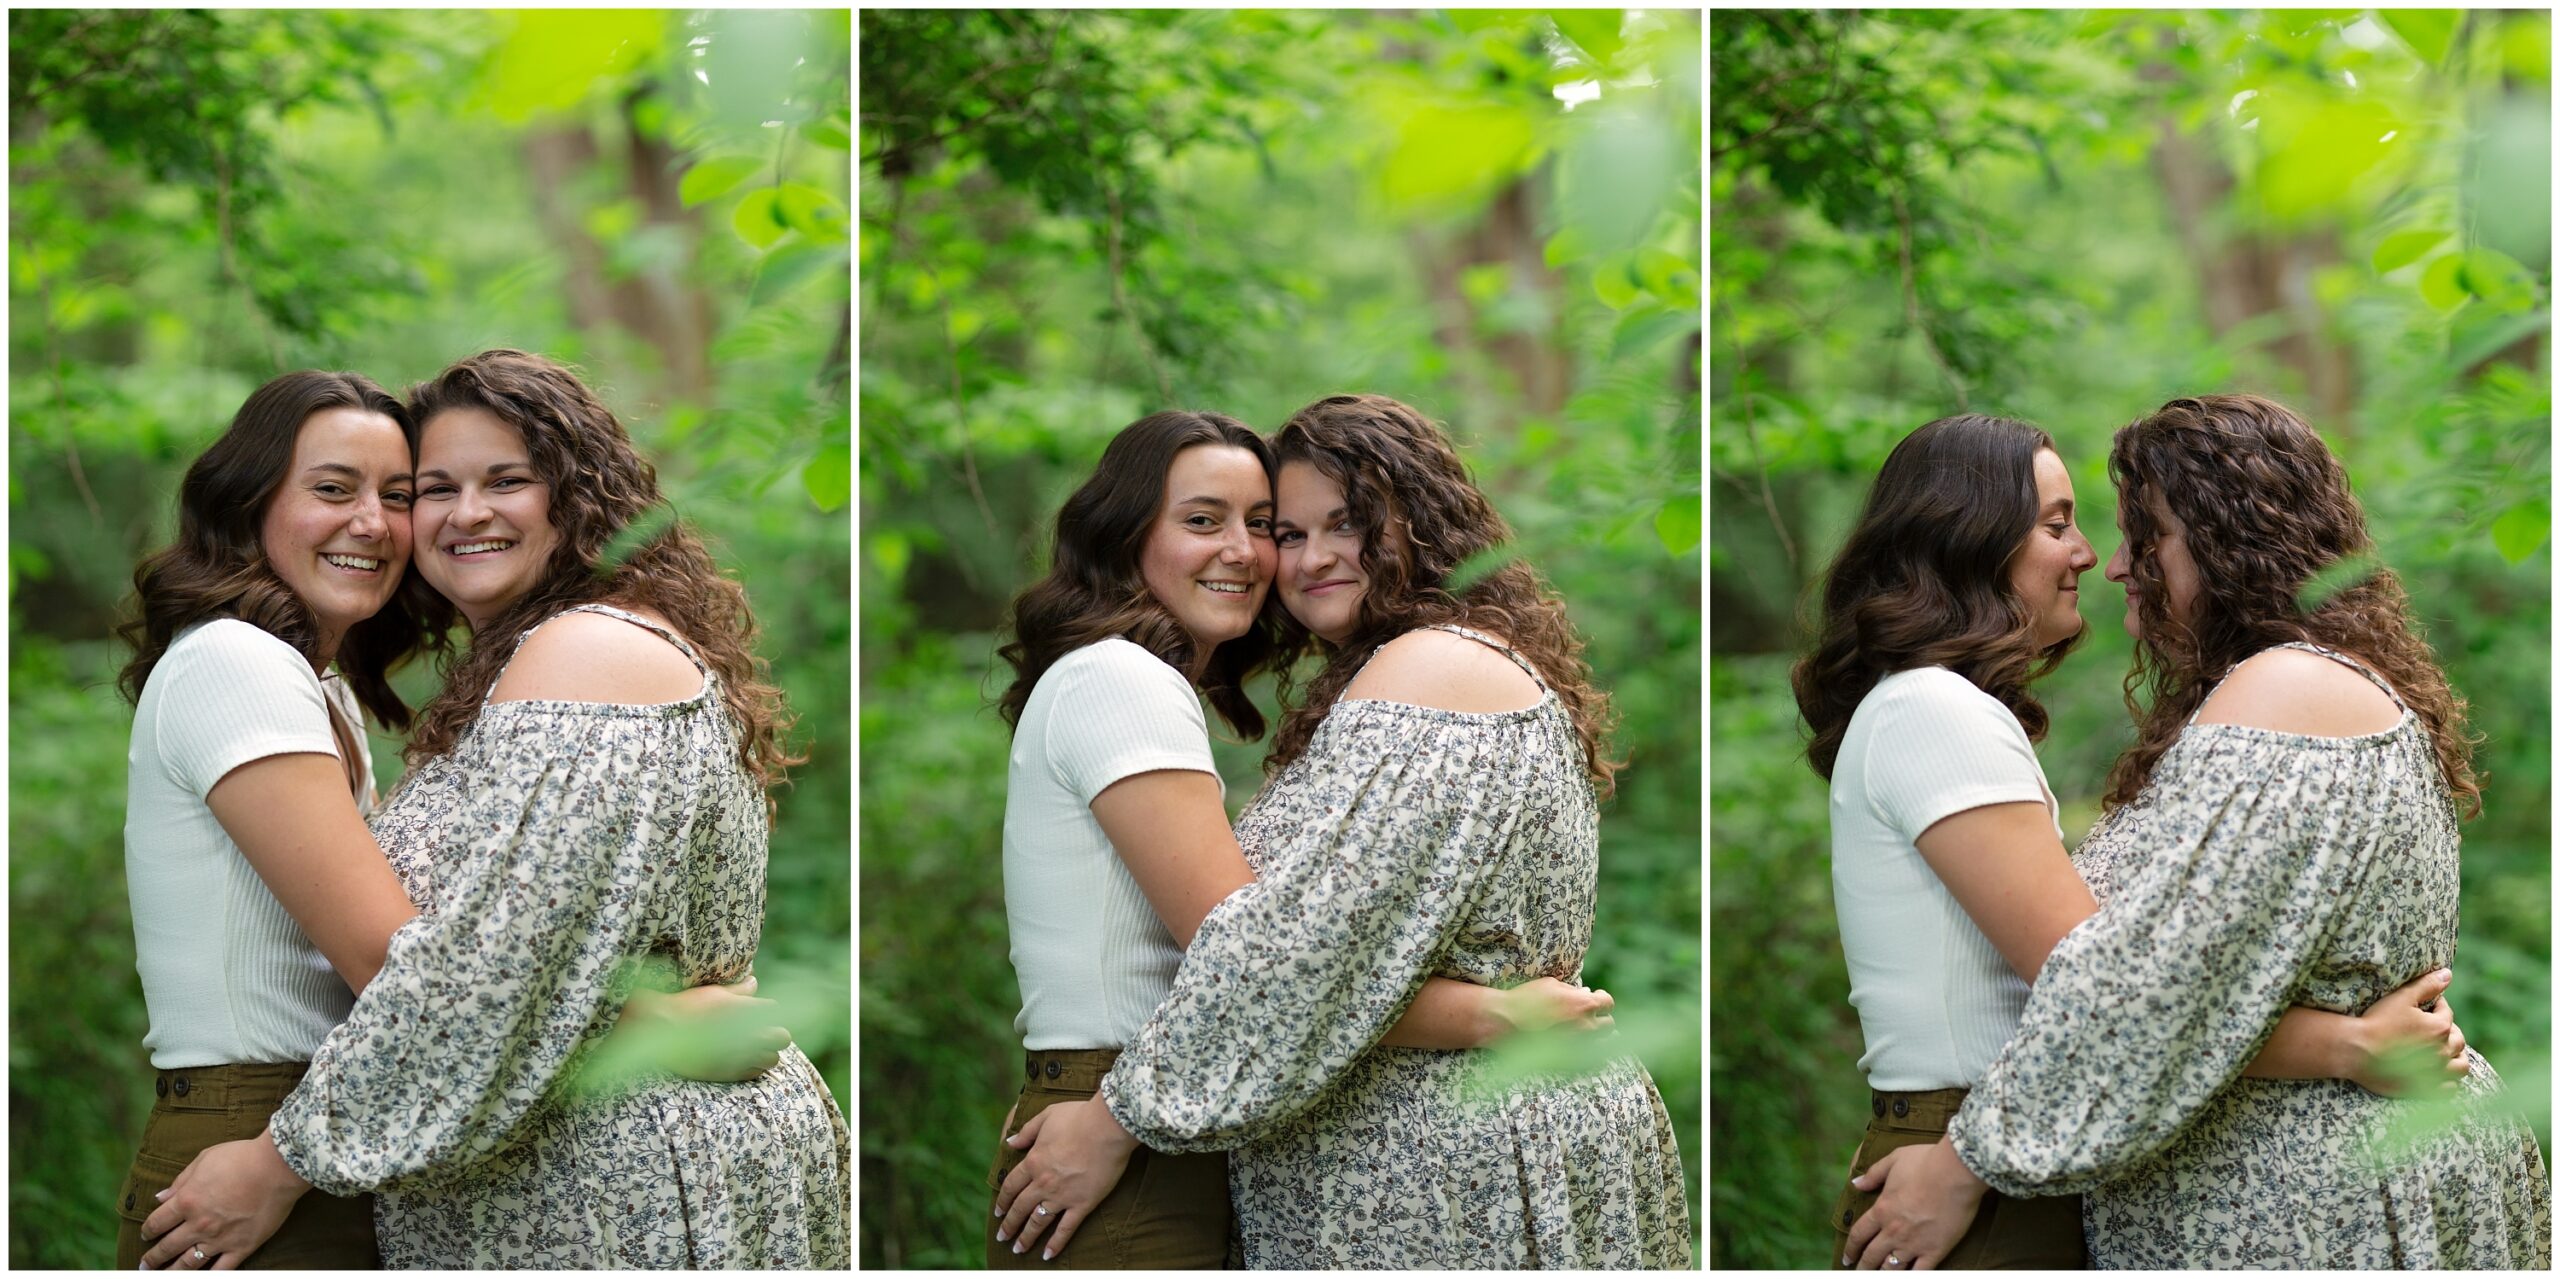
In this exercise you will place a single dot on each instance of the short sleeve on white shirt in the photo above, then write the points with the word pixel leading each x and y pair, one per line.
pixel 249 696
pixel 1941 746
pixel 1120 711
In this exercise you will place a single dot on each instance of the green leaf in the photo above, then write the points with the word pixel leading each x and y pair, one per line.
pixel 2403 248
pixel 2317 151
pixel 810 211
pixel 1475 568
pixel 785 267
pixel 1668 276
pixel 827 133
pixel 1642 329
pixel 2521 529
pixel 2351 571
pixel 711 179
pixel 1618 174
pixel 891 551
pixel 555 57
pixel 2428 32
pixel 1564 247
pixel 2524 45
pixel 758 221
pixel 2441 286
pixel 1598 31
pixel 2497 279
pixel 1448 154
pixel 829 477
pixel 1679 523
pixel 2474 343
pixel 643 529
pixel 1615 288
pixel 1474 20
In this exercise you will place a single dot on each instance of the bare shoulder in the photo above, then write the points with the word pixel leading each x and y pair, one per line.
pixel 2293 691
pixel 1445 671
pixel 589 657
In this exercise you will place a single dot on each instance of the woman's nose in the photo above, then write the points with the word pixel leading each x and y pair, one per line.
pixel 369 522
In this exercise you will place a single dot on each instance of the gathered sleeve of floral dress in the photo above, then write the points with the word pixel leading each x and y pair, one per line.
pixel 1401 815
pixel 574 854
pixel 2257 844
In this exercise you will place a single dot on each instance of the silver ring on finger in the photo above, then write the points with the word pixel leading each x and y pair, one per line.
pixel 1041 1211
pixel 1892 1260
pixel 198 1253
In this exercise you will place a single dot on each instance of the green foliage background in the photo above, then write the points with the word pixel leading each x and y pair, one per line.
pixel 202 200
pixel 1072 219
pixel 2070 218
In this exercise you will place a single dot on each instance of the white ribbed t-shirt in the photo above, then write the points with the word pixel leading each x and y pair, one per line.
pixel 227 976
pixel 1934 998
pixel 1092 958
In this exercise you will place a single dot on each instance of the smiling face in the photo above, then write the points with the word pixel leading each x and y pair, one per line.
pixel 336 532
pixel 2169 551
pixel 1208 556
pixel 484 527
pixel 1321 580
pixel 2045 571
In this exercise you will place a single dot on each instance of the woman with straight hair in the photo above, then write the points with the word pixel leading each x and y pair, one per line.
pixel 2284 831
pixel 586 807
pixel 1116 839
pixel 1431 809
pixel 1957 588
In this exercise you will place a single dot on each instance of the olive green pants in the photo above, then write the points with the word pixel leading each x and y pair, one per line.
pixel 201 1106
pixel 2041 1233
pixel 1168 1212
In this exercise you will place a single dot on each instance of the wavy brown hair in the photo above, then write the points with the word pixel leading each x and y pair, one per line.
pixel 1421 518
pixel 218 566
pixel 1094 589
pixel 1923 579
pixel 600 488
pixel 2266 508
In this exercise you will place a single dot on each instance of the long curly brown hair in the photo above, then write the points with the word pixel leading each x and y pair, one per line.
pixel 600 487
pixel 1094 589
pixel 1422 518
pixel 1923 579
pixel 2266 508
pixel 218 566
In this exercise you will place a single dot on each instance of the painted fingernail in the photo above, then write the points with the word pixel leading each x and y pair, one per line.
pixel 1017 1249
pixel 162 1195
pixel 1047 1255
pixel 1001 1236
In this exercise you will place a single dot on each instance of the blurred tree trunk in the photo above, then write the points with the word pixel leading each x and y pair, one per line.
pixel 1506 234
pixel 2246 273
pixel 656 301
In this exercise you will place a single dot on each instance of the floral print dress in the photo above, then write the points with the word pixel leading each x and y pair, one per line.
pixel 2256 870
pixel 1406 841
pixel 556 844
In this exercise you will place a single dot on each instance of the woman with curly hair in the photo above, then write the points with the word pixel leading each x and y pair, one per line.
pixel 587 797
pixel 1116 838
pixel 2284 831
pixel 1432 808
pixel 264 632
